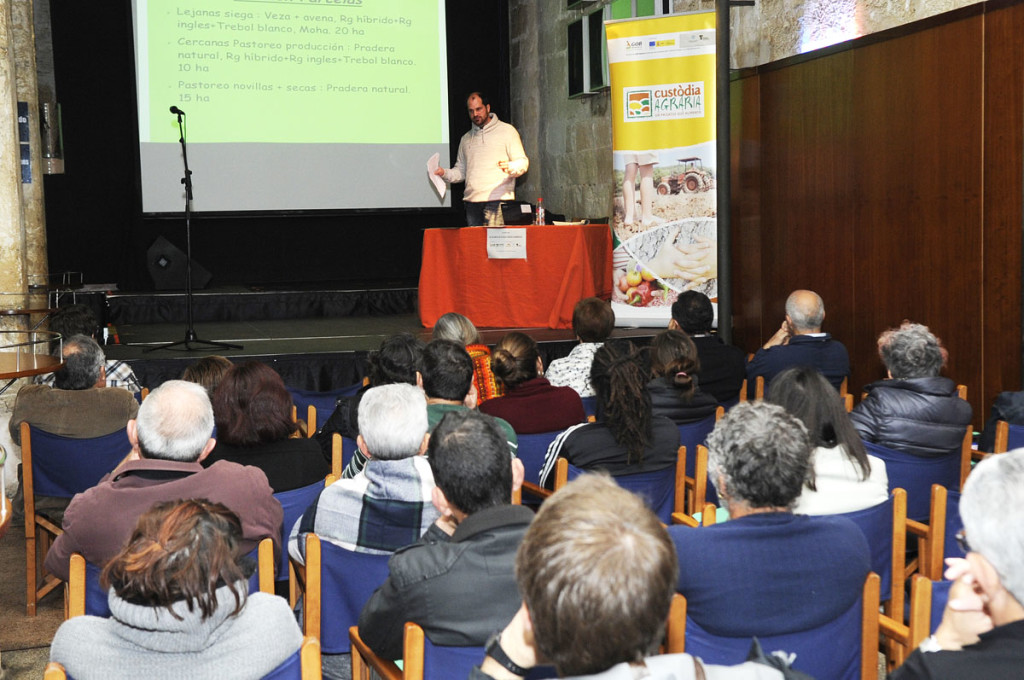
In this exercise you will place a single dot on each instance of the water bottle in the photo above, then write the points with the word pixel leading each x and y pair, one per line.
pixel 538 218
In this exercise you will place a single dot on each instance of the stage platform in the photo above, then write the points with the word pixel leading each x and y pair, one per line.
pixel 316 339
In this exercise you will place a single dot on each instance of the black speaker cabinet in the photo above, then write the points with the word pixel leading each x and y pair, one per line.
pixel 166 263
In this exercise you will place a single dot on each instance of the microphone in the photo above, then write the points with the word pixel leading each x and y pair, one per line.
pixel 175 109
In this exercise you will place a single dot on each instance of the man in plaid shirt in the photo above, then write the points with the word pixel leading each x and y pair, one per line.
pixel 388 505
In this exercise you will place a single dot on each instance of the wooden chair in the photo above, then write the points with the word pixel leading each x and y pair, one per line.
pixel 916 474
pixel 661 492
pixel 293 504
pixel 707 517
pixel 61 467
pixel 54 671
pixel 337 583
pixel 904 638
pixel 1008 437
pixel 885 528
pixel 818 652
pixel 342 449
pixel 421 659
pixel 848 402
pixel 695 488
pixel 143 394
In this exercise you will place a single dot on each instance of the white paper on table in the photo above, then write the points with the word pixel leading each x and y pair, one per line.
pixel 438 182
pixel 506 244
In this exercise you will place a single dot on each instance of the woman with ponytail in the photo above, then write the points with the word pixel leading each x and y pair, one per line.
pixel 627 438
pixel 531 404
pixel 674 391
pixel 179 605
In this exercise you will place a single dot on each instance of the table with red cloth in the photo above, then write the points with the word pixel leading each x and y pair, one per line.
pixel 563 265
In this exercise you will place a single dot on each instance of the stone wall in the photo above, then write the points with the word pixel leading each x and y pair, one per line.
pixel 569 140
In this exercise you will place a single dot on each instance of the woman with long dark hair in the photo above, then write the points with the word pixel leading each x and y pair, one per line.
pixel 844 478
pixel 674 391
pixel 531 404
pixel 253 413
pixel 179 605
pixel 627 438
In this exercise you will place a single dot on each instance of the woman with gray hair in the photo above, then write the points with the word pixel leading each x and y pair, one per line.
pixel 914 410
pixel 767 571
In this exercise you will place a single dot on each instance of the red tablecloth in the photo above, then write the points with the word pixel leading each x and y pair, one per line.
pixel 562 266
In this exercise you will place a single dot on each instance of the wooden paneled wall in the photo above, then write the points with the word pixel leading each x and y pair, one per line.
pixel 887 174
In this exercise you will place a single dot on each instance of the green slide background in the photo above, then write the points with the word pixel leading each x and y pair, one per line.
pixel 230 96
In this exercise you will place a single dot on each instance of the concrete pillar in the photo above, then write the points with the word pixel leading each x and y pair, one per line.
pixel 12 229
pixel 33 211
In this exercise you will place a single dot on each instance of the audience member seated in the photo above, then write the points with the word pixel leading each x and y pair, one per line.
pixel 800 342
pixel 982 629
pixel 597 573
pixel 915 410
pixel 208 372
pixel 531 404
pixel 253 412
pixel 79 405
pixel 396 361
pixel 389 505
pixel 457 581
pixel 626 439
pixel 722 367
pixel 675 389
pixel 767 571
pixel 169 438
pixel 843 477
pixel 80 319
pixel 592 321
pixel 447 379
pixel 457 328
pixel 179 607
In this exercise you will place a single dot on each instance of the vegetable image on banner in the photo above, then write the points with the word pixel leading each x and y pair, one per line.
pixel 664 162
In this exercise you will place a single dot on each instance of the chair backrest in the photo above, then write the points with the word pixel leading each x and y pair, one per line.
pixel 657 488
pixel 940 595
pixel 953 525
pixel 589 405
pixel 87 596
pixel 884 527
pixel 532 450
pixel 1008 437
pixel 916 474
pixel 338 584
pixel 54 671
pixel 293 503
pixel 845 648
pixel 63 466
pixel 323 403
pixel 304 664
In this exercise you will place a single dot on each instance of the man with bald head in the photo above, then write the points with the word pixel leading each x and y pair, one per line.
pixel 800 342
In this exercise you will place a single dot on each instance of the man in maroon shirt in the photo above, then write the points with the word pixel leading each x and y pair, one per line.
pixel 169 438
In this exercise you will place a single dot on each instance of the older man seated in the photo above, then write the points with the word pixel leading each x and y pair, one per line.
pixel 388 506
pixel 915 410
pixel 767 571
pixel 982 629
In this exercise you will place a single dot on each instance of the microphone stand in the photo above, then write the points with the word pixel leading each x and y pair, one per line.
pixel 191 341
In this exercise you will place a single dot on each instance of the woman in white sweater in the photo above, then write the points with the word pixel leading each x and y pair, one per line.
pixel 179 607
pixel 845 478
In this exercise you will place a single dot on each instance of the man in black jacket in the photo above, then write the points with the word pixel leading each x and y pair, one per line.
pixel 722 367
pixel 457 581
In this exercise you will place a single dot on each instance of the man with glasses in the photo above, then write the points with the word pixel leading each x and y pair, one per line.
pixel 982 629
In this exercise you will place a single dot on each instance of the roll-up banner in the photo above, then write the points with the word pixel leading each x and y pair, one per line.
pixel 665 230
